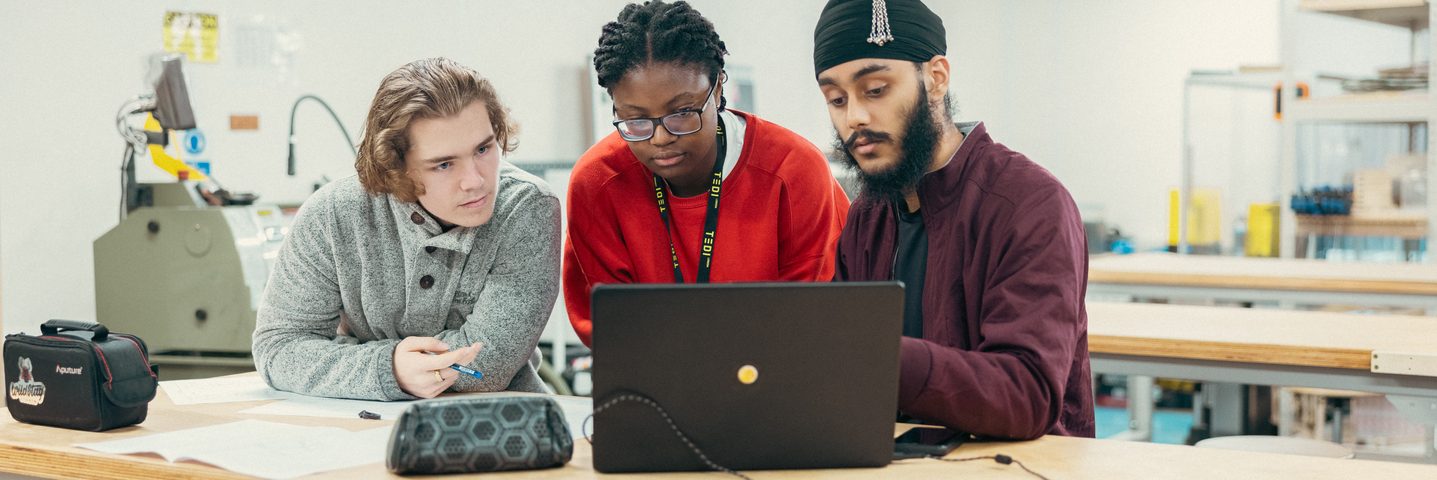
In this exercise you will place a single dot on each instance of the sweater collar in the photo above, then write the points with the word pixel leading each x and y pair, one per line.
pixel 419 229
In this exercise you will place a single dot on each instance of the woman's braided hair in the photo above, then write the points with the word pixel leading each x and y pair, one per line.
pixel 657 32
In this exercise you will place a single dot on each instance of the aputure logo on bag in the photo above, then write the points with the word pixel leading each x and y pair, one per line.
pixel 69 370
pixel 27 390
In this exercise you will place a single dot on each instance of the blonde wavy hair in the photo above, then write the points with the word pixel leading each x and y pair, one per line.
pixel 428 88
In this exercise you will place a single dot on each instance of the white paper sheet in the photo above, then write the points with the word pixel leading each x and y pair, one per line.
pixel 258 448
pixel 576 409
pixel 244 388
pixel 307 406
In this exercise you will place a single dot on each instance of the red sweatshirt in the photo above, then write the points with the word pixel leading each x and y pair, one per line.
pixel 780 215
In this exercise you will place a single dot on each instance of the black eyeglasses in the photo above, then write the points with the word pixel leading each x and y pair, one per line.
pixel 678 123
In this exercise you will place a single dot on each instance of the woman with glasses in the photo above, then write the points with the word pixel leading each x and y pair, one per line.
pixel 686 190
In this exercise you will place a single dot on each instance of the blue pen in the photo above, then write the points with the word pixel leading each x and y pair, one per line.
pixel 466 370
pixel 460 368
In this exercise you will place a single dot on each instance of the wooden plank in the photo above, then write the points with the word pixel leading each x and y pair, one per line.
pixel 1261 282
pixel 1263 274
pixel 49 462
pixel 1266 336
pixel 1232 352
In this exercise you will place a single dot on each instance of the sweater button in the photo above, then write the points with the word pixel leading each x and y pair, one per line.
pixel 416 218
pixel 426 281
pixel 429 249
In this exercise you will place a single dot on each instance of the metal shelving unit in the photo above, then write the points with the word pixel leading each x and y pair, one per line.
pixel 1366 107
pixel 1243 81
pixel 1399 13
pixel 1413 107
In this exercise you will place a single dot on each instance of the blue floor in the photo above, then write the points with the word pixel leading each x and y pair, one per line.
pixel 1169 426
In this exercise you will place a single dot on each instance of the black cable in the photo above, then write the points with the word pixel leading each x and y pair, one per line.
pixel 136 105
pixel 665 414
pixel 1000 458
pixel 125 161
pixel 625 397
pixel 295 108
pixel 124 157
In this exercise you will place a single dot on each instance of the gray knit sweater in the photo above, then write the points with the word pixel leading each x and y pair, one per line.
pixel 362 260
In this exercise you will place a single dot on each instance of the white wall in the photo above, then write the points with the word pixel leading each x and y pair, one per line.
pixel 1091 90
pixel 66 68
pixel 1095 92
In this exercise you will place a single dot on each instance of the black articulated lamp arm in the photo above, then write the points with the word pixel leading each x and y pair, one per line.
pixel 295 108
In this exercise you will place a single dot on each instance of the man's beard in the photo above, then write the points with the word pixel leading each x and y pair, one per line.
pixel 915 153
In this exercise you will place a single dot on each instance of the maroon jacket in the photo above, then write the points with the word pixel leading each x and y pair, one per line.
pixel 1005 333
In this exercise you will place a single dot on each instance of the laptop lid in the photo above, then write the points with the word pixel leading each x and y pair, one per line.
pixel 757 376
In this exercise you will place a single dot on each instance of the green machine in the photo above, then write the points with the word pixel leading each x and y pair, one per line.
pixel 186 266
pixel 187 278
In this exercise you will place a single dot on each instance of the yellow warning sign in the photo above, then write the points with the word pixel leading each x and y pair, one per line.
pixel 196 35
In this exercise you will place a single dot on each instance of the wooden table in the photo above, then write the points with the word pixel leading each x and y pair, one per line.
pixel 1395 355
pixel 1163 275
pixel 1264 346
pixel 1285 282
pixel 45 451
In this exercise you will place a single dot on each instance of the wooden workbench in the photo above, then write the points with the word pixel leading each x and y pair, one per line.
pixel 45 451
pixel 1163 275
pixel 1261 336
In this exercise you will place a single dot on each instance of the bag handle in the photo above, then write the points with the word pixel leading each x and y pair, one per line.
pixel 55 326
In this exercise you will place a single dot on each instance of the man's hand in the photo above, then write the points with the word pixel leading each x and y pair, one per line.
pixel 417 359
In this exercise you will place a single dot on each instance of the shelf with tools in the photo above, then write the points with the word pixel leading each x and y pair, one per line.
pixel 1403 107
pixel 1404 225
pixel 1370 140
pixel 1410 14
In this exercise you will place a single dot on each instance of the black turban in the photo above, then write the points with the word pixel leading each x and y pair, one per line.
pixel 844 30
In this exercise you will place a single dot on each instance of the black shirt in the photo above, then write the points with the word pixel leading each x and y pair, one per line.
pixel 909 265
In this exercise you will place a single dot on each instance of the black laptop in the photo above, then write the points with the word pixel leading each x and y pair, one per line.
pixel 758 376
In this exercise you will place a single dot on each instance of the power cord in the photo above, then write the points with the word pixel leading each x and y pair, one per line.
pixel 633 397
pixel 125 161
pixel 1000 458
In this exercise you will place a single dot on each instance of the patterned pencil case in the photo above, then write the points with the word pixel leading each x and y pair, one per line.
pixel 479 434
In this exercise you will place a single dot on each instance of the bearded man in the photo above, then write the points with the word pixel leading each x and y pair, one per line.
pixel 988 244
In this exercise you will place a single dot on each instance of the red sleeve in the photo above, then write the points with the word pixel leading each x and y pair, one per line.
pixel 593 251
pixel 814 207
pixel 1031 321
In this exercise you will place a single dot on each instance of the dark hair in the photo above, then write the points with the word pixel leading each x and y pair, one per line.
pixel 657 32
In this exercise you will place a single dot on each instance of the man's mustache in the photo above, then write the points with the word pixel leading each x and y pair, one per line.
pixel 865 134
